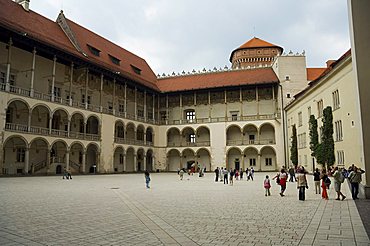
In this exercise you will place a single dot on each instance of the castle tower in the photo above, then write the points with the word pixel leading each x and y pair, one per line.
pixel 255 52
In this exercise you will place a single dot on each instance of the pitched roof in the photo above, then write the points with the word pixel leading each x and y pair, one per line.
pixel 255 43
pixel 44 30
pixel 314 73
pixel 218 79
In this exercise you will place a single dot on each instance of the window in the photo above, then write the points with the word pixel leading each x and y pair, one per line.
pixel 300 119
pixel 94 50
pixel 190 115
pixel 252 162
pixel 114 60
pixel 163 115
pixel 287 78
pixel 336 103
pixel 268 161
pixel 192 138
pixel 136 70
pixel 251 139
pixel 57 91
pixel 340 157
pixel 338 130
pixel 140 113
pixel 320 107
pixel 302 141
pixel 84 98
pixel 9 115
pixel 21 153
pixel 121 108
pixel 234 117
pixel 288 95
pixel 120 132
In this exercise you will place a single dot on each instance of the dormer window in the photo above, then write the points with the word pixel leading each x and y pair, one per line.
pixel 136 69
pixel 94 50
pixel 115 60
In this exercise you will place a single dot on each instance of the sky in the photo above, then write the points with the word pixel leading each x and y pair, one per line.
pixel 182 35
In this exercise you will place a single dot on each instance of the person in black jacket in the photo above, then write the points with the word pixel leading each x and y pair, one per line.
pixel 316 179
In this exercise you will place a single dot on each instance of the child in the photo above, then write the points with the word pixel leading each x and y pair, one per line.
pixel 147 179
pixel 267 185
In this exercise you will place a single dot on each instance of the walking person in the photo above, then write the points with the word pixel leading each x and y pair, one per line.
pixel 301 184
pixel 147 179
pixel 216 172
pixel 324 181
pixel 338 180
pixel 231 176
pixel 225 173
pixel 355 179
pixel 69 176
pixel 251 173
pixel 65 173
pixel 283 176
pixel 292 175
pixel 241 173
pixel 316 180
pixel 267 186
pixel 181 173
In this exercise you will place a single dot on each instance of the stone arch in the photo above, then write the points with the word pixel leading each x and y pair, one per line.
pixel 233 158
pixel 203 136
pixel 15 155
pixel 93 124
pixel 140 164
pixel 149 160
pixel 250 134
pixel 188 158
pixel 233 135
pixel 250 158
pixel 173 137
pixel 130 133
pixel 40 115
pixel 119 129
pixel 204 158
pixel 119 159
pixel 59 121
pixel 76 156
pixel 130 158
pixel 173 160
pixel 77 125
pixel 58 153
pixel 188 136
pixel 267 134
pixel 39 151
pixel 268 159
pixel 140 130
pixel 149 136
pixel 17 113
pixel 92 158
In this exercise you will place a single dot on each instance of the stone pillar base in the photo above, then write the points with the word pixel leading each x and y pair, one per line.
pixel 367 191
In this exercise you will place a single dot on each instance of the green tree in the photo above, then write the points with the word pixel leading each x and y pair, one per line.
pixel 314 136
pixel 327 139
pixel 294 147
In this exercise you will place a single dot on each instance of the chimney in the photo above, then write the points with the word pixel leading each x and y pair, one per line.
pixel 25 4
pixel 329 62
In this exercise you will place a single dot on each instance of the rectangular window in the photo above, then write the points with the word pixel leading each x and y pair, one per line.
pixel 251 139
pixel 121 108
pixel 190 116
pixel 21 153
pixel 94 50
pixel 140 113
pixel 320 107
pixel 192 138
pixel 83 99
pixel 234 117
pixel 336 102
pixel 300 119
pixel 136 70
pixel 252 162
pixel 268 161
pixel 114 60
pixel 338 130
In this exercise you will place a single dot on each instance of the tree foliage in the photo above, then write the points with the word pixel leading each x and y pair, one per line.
pixel 325 150
pixel 314 136
pixel 294 147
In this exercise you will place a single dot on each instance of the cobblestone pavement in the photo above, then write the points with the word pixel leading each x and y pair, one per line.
pixel 119 210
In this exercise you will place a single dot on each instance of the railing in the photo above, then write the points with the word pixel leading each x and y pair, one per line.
pixel 41 96
pixel 38 166
pixel 188 144
pixel 250 142
pixel 47 132
pixel 20 91
pixel 2 86
pixel 16 127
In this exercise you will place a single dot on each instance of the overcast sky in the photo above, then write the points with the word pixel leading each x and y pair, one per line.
pixel 177 35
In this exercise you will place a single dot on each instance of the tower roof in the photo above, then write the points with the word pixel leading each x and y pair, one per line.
pixel 255 43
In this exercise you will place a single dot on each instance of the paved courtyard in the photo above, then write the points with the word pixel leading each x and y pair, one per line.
pixel 118 210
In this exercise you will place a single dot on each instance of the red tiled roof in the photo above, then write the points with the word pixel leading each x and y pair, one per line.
pixel 255 43
pixel 218 79
pixel 44 30
pixel 86 37
pixel 314 73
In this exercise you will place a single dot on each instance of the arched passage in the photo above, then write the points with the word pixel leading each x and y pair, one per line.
pixel 173 160
pixel 58 155
pixel 15 160
pixel 76 159
pixel 149 160
pixel 204 159
pixel 130 133
pixel 268 159
pixel 233 158
pixel 119 130
pixel 130 158
pixel 173 137
pixel 92 126
pixel 188 137
pixel 250 134
pixel 40 116
pixel 149 136
pixel 140 164
pixel 39 150
pixel 250 158
pixel 77 127
pixel 188 159
pixel 140 134
pixel 118 160
pixel 233 135
pixel 59 123
pixel 92 158
pixel 203 136
pixel 17 116
pixel 267 134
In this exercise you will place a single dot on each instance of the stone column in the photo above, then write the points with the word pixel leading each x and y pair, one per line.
pixel 68 127
pixel 114 97
pixel 26 160
pixel 53 78
pixel 257 103
pixel 50 124
pixel 181 111
pixel 125 104
pixel 167 111
pixel 67 159
pixel 241 103
pixel 83 161
pixel 7 80
pixel 259 162
pixel 181 162
pixel 48 159
pixel 98 162
pixel 153 118
pixel 135 164
pixel 242 164
pixel 33 71
pixel 70 84
pixel 124 162
pixel 144 164
pixel 153 163
pixel 225 101
pixel 209 106
pixel 145 106
pixel 29 120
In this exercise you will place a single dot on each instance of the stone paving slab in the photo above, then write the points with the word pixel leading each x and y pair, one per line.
pixel 119 210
